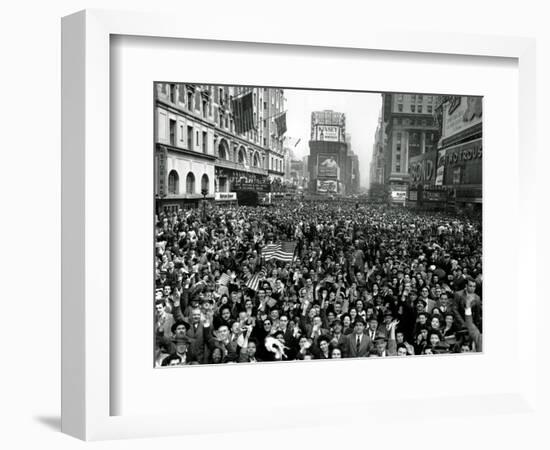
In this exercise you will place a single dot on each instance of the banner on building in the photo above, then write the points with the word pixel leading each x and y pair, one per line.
pixel 327 186
pixel 162 163
pixel 280 121
pixel 243 113
pixel 327 165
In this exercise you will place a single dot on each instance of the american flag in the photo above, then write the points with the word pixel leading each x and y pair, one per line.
pixel 283 251
pixel 254 282
pixel 224 279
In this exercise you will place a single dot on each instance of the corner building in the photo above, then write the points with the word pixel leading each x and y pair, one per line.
pixel 410 130
pixel 197 147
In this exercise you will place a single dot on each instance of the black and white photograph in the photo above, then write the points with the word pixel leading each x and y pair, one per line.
pixel 305 224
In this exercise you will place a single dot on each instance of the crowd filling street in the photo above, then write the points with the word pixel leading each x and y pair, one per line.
pixel 361 281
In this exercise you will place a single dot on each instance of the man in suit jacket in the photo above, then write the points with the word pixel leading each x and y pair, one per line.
pixel 315 330
pixel 425 295
pixel 199 332
pixel 165 320
pixel 338 338
pixel 358 343
pixel 386 346
pixel 468 293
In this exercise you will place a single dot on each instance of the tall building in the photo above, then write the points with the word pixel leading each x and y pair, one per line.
pixel 198 148
pixel 327 153
pixel 377 191
pixel 411 130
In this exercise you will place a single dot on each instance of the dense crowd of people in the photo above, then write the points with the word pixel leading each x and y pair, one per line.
pixel 365 281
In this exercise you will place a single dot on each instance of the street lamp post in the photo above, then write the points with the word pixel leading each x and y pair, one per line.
pixel 204 192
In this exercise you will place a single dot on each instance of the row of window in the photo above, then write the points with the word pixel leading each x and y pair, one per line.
pixel 416 98
pixel 192 137
pixel 416 108
pixel 415 137
pixel 194 101
pixel 276 164
pixel 174 180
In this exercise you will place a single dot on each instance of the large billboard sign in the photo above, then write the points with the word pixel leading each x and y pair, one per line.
pixel 327 165
pixel 327 133
pixel 423 168
pixel 327 186
pixel 460 113
pixel 460 164
pixel 398 195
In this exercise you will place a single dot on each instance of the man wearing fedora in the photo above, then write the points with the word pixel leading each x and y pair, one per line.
pixel 181 345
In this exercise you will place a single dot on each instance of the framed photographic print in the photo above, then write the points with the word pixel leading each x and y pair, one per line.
pixel 291 219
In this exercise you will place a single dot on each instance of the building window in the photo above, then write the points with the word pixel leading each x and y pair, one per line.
pixel 189 100
pixel 204 183
pixel 420 98
pixel 265 105
pixel 265 142
pixel 412 108
pixel 400 107
pixel 398 148
pixel 189 138
pixel 181 93
pixel 398 137
pixel 173 93
pixel 173 182
pixel 223 152
pixel 400 97
pixel 190 183
pixel 204 108
pixel 172 132
pixel 429 107
pixel 413 98
pixel 419 108
pixel 430 98
pixel 204 142
pixel 398 157
pixel 398 167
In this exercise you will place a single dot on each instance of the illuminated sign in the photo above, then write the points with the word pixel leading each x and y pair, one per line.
pixel 327 186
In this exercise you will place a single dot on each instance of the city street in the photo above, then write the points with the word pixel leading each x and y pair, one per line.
pixel 276 255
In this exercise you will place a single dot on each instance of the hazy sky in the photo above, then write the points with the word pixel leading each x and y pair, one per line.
pixel 361 110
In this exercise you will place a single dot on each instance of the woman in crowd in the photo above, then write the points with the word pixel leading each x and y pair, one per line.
pixel 378 265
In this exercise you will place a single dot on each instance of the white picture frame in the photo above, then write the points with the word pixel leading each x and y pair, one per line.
pixel 86 218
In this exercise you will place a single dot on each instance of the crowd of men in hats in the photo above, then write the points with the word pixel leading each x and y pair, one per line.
pixel 365 281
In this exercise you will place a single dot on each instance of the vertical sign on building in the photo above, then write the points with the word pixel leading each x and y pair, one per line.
pixel 162 159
